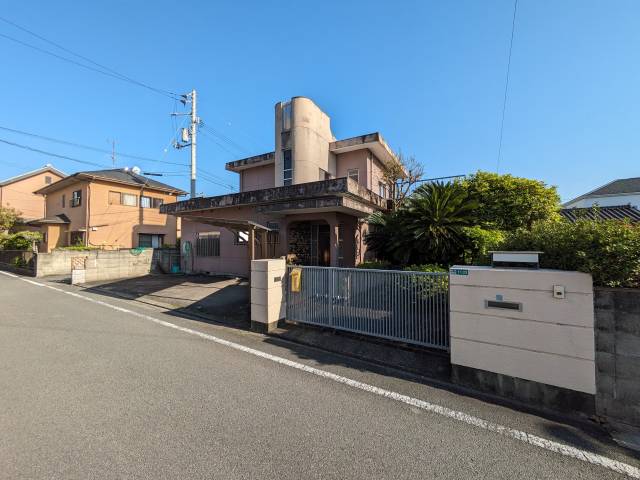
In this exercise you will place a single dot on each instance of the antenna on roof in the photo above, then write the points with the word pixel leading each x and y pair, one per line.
pixel 136 170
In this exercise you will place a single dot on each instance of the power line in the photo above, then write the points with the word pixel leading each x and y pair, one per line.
pixel 224 138
pixel 104 70
pixel 44 152
pixel 506 85
pixel 87 147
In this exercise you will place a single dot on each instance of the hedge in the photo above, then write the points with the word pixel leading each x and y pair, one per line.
pixel 607 249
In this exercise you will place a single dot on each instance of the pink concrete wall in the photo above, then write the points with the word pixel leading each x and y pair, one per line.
pixel 355 159
pixel 257 178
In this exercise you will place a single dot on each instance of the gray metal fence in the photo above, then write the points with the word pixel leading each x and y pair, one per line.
pixel 412 307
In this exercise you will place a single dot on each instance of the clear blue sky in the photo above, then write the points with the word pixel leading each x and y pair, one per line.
pixel 429 75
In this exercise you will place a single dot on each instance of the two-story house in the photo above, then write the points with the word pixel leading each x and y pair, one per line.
pixel 109 209
pixel 308 199
pixel 18 192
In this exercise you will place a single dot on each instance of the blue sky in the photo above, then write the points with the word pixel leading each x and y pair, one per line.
pixel 429 75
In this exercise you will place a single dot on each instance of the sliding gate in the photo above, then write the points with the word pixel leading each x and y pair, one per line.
pixel 411 307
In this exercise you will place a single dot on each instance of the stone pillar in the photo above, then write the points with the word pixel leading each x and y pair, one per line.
pixel 267 294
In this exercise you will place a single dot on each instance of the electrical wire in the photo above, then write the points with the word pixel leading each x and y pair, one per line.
pixel 224 138
pixel 102 68
pixel 506 85
pixel 87 147
pixel 51 154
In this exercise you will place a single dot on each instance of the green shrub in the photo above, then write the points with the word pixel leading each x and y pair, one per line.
pixel 607 249
pixel 19 241
pixel 427 267
pixel 78 248
pixel 479 242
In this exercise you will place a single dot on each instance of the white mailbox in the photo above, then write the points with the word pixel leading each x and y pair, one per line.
pixel 532 324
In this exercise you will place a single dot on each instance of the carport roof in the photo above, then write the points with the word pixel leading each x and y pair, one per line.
pixel 338 194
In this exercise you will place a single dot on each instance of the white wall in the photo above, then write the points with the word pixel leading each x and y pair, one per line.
pixel 606 201
pixel 550 341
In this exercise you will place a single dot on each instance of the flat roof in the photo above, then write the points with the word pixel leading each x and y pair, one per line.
pixel 249 162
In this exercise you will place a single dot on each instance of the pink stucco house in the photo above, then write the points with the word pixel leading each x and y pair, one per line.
pixel 307 200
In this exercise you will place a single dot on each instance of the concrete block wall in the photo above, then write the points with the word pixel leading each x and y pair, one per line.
pixel 99 264
pixel 268 295
pixel 549 343
pixel 617 317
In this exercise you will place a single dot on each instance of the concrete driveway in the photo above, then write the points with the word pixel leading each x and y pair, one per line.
pixel 225 299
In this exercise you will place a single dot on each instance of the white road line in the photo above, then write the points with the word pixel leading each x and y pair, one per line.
pixel 524 437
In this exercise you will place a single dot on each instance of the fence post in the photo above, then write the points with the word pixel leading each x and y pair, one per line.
pixel 268 295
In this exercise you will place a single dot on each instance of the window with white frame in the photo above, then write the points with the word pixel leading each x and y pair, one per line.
pixel 241 238
pixel 287 167
pixel 382 189
pixel 354 174
pixel 76 198
pixel 129 199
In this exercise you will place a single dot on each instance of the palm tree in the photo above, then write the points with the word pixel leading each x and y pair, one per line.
pixel 385 237
pixel 436 214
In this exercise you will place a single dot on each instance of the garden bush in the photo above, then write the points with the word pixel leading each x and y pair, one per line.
pixel 607 249
pixel 19 241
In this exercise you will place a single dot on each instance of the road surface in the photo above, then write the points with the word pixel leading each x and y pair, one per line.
pixel 97 387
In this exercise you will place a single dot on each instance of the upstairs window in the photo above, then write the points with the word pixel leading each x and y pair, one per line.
pixel 129 199
pixel 145 202
pixel 156 202
pixel 286 116
pixel 382 189
pixel 354 174
pixel 47 180
pixel 287 167
pixel 76 198
pixel 64 200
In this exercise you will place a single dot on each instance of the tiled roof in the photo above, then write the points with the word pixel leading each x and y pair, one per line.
pixel 620 212
pixel 623 185
pixel 119 175
pixel 45 169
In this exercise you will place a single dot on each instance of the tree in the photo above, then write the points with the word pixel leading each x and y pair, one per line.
pixel 401 176
pixel 437 214
pixel 8 218
pixel 506 202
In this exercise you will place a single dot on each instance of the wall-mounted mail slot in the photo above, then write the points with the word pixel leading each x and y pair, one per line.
pixel 503 305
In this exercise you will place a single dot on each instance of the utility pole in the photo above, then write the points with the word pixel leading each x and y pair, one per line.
pixel 193 132
pixel 188 137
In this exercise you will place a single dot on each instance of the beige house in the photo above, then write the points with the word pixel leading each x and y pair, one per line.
pixel 308 199
pixel 109 209
pixel 18 192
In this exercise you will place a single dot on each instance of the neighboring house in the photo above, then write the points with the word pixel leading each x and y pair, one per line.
pixel 618 199
pixel 107 208
pixel 17 192
pixel 308 199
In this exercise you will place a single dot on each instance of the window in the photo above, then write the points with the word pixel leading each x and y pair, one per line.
pixel 47 180
pixel 76 238
pixel 150 240
pixel 287 167
pixel 129 199
pixel 156 202
pixel 63 200
pixel 145 202
pixel 241 238
pixel 382 189
pixel 115 198
pixel 354 174
pixel 76 199
pixel 286 116
pixel 208 244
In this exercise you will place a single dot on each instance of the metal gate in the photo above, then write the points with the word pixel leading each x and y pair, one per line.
pixel 412 307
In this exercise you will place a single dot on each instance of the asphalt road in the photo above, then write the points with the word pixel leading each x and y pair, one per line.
pixel 92 391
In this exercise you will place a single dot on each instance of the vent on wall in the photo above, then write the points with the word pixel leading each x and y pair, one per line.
pixel 503 305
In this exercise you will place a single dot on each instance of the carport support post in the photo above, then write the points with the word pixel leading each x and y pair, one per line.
pixel 252 246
